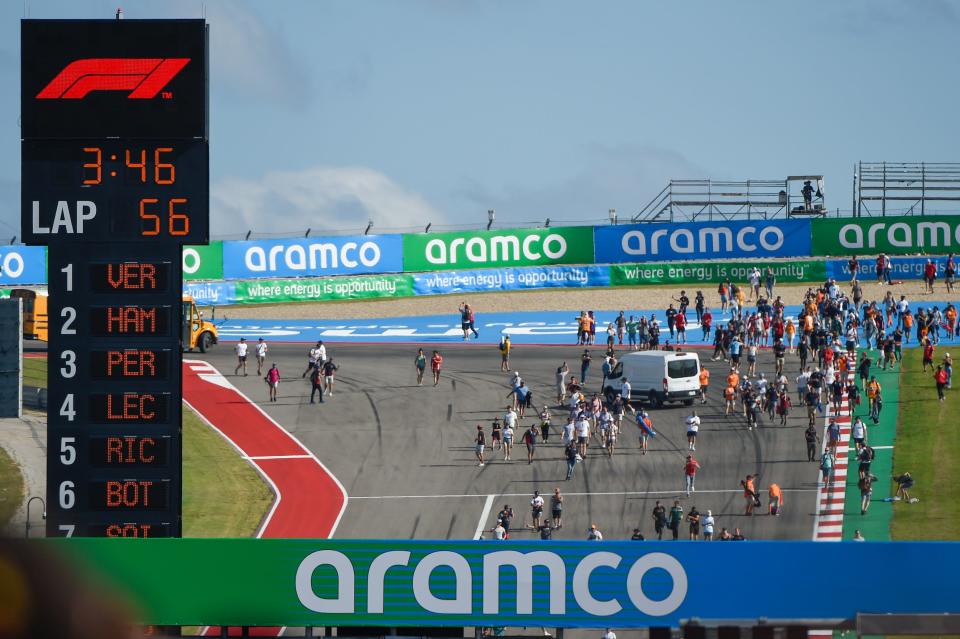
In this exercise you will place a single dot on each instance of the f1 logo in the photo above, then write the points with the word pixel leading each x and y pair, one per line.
pixel 142 77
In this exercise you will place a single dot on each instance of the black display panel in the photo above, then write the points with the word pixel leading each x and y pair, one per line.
pixel 115 190
pixel 129 408
pixel 129 320
pixel 129 451
pixel 113 78
pixel 128 494
pixel 130 364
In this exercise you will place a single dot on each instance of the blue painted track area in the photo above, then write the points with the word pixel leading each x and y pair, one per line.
pixel 527 327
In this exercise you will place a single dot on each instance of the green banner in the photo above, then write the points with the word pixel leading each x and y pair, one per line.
pixel 933 234
pixel 506 247
pixel 203 262
pixel 323 289
pixel 713 272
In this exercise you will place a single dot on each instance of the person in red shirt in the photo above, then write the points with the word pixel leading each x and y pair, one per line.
pixel 680 323
pixel 929 275
pixel 706 322
pixel 690 468
pixel 436 362
pixel 940 376
pixel 927 354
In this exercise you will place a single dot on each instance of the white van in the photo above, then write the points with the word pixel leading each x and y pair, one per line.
pixel 657 377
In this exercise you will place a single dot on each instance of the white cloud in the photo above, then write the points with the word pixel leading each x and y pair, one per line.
pixel 321 198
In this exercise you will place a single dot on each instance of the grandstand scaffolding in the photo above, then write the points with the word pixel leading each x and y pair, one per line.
pixel 906 188
pixel 691 200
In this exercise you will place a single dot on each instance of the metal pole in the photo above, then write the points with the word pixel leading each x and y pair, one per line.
pixel 923 188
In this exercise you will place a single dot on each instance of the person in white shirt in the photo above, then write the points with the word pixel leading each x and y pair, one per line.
pixel 241 349
pixel 625 390
pixel 693 426
pixel 536 507
pixel 858 536
pixel 707 523
pixel 609 634
pixel 313 358
pixel 594 534
pixel 568 430
pixel 261 355
pixel 583 436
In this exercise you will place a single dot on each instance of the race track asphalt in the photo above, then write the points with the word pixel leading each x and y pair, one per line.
pixel 405 453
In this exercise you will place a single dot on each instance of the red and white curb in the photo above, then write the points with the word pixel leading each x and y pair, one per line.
pixel 828 520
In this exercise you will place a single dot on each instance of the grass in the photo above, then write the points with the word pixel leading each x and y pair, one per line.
pixel 223 496
pixel 928 447
pixel 35 371
pixel 11 488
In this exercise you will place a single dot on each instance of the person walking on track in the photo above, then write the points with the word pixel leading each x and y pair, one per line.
pixel 273 381
pixel 690 468
pixel 556 508
pixel 329 370
pixel 436 363
pixel 241 349
pixel 480 442
pixel 316 384
pixel 659 519
pixel 261 355
pixel 420 364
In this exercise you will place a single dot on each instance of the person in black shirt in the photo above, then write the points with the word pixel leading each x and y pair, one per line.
pixel 863 370
pixel 316 384
pixel 684 302
pixel 659 519
pixel 811 437
pixel 671 319
pixel 779 351
pixel 546 531
pixel 698 300
pixel 637 536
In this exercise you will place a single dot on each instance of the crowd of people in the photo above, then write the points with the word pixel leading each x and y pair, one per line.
pixel 837 338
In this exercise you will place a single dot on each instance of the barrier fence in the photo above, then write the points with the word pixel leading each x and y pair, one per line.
pixel 516 259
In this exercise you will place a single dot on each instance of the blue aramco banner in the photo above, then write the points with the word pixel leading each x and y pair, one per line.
pixel 621 584
pixel 701 241
pixel 509 279
pixel 901 268
pixel 312 257
pixel 23 265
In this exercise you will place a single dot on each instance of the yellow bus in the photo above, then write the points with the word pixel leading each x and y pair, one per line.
pixel 34 312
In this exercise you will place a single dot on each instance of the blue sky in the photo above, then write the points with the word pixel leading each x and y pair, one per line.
pixel 326 114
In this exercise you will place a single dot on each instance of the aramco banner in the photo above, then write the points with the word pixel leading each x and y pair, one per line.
pixel 933 234
pixel 622 584
pixel 313 256
pixel 506 247
pixel 701 241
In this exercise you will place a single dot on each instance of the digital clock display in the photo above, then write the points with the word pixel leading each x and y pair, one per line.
pixel 128 494
pixel 130 321
pixel 130 277
pixel 129 451
pixel 115 191
pixel 130 364
pixel 129 408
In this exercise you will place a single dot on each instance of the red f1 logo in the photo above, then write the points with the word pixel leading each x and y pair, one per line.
pixel 142 77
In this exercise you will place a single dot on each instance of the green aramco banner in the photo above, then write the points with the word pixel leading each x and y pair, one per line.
pixel 507 247
pixel 932 234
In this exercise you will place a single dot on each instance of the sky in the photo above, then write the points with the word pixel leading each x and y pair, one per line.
pixel 328 114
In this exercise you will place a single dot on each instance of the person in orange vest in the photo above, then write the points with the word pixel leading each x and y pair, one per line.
pixel 776 499
pixel 704 384
pixel 750 493
pixel 729 393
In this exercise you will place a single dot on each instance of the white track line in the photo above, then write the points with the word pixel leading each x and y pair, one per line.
pixel 481 525
pixel 606 494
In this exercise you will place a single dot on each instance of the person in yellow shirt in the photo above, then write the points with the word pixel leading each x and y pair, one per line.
pixel 791 332
pixel 704 384
pixel 875 394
